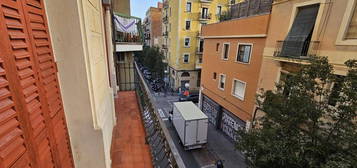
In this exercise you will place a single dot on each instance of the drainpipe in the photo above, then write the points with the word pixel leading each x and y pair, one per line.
pixel 110 49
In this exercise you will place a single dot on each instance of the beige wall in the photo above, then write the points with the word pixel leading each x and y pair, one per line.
pixel 79 47
pixel 122 6
pixel 331 21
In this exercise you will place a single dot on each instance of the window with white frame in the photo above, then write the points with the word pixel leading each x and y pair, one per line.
pixel 188 25
pixel 239 89
pixel 225 50
pixel 187 42
pixel 186 58
pixel 219 10
pixel 188 6
pixel 352 28
pixel 244 53
pixel 222 81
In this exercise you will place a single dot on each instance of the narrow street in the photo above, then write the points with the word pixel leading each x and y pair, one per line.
pixel 219 147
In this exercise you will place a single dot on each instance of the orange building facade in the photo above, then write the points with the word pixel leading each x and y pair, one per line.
pixel 232 58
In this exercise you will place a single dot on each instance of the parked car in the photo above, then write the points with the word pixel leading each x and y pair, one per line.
pixel 191 97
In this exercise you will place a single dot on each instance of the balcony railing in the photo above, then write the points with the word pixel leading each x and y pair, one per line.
pixel 296 49
pixel 203 16
pixel 163 150
pixel 164 46
pixel 206 1
pixel 198 62
pixel 199 50
pixel 128 29
pixel 165 33
pixel 247 8
pixel 165 19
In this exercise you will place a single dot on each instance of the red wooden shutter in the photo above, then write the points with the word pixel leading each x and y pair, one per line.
pixel 32 121
pixel 47 72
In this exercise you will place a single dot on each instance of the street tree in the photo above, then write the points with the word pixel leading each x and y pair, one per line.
pixel 151 57
pixel 306 123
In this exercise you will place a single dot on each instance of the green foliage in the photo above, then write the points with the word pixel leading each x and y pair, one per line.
pixel 151 57
pixel 300 128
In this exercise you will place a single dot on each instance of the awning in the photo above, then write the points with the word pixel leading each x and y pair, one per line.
pixel 298 39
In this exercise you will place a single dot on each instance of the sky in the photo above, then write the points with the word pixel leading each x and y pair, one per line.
pixel 139 7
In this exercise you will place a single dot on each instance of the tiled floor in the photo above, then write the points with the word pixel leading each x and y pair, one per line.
pixel 128 147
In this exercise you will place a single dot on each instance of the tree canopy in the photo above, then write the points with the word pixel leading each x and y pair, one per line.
pixel 151 57
pixel 306 123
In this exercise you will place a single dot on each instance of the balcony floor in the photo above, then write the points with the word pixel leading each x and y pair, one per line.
pixel 128 147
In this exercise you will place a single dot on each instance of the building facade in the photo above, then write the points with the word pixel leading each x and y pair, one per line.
pixel 182 45
pixel 232 57
pixel 303 28
pixel 153 26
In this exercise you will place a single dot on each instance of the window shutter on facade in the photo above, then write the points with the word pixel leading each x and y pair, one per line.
pixel 300 32
pixel 352 29
pixel 29 70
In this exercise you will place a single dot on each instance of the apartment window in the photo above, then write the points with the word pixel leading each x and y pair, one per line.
pixel 352 28
pixel 186 58
pixel 219 10
pixel 239 89
pixel 204 13
pixel 187 42
pixel 169 27
pixel 244 52
pixel 297 42
pixel 121 57
pixel 285 76
pixel 188 24
pixel 335 91
pixel 214 75
pixel 201 43
pixel 170 11
pixel 222 81
pixel 225 51
pixel 188 6
pixel 217 47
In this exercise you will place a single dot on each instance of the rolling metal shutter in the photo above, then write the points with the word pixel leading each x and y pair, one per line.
pixel 298 39
pixel 31 111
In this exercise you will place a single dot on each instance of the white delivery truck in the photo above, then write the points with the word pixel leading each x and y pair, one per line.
pixel 191 124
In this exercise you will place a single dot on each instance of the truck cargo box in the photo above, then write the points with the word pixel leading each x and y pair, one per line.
pixel 191 124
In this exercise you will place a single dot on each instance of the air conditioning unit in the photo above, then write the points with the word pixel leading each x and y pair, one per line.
pixel 106 2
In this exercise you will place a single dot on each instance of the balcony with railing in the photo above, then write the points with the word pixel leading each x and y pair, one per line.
pixel 199 50
pixel 198 64
pixel 296 49
pixel 144 139
pixel 204 16
pixel 129 34
pixel 206 1
pixel 165 19
pixel 247 8
pixel 165 33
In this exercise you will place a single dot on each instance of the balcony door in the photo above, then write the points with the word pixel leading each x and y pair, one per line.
pixel 297 42
pixel 204 13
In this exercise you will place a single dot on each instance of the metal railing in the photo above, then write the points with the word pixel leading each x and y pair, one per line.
pixel 205 16
pixel 165 19
pixel 296 49
pixel 199 50
pixel 124 37
pixel 163 150
pixel 247 8
pixel 165 33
